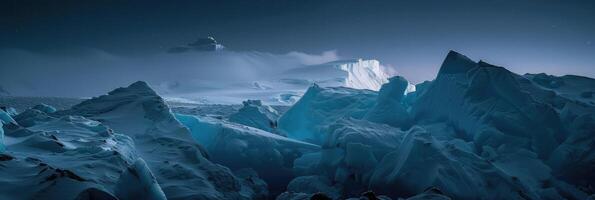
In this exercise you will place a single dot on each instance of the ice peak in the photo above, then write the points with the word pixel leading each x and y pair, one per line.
pixel 482 63
pixel 140 84
pixel 138 93
pixel 455 63
pixel 138 87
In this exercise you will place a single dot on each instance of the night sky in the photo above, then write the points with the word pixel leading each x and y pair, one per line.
pixel 555 37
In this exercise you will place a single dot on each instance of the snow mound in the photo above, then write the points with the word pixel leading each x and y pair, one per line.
pixel 63 158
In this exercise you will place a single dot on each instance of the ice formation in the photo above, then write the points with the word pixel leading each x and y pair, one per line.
pixel 138 182
pixel 311 117
pixel 477 131
pixel 238 146
pixel 389 108
pixel 63 154
pixel 257 115
pixel 285 85
pixel 356 73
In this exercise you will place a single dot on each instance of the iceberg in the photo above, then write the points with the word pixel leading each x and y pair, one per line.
pixel 355 73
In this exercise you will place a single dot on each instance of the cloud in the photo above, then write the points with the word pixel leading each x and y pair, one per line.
pixel 309 59
pixel 90 72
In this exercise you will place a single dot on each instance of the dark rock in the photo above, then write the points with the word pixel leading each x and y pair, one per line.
pixel 94 194
pixel 320 196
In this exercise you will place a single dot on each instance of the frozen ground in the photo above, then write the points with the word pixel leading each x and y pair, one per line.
pixel 477 131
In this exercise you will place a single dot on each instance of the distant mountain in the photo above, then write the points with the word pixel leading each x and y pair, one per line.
pixel 201 44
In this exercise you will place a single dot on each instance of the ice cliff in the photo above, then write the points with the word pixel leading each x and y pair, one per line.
pixel 356 73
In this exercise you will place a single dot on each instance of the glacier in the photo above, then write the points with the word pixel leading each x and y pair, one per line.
pixel 477 131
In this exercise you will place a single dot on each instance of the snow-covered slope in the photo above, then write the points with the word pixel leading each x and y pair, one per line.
pixel 238 146
pixel 488 103
pixel 62 157
pixel 165 144
pixel 479 132
pixel 126 144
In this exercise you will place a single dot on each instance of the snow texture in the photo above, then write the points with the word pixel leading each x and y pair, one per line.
pixel 96 148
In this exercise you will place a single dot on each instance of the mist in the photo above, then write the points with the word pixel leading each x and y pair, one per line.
pixel 90 72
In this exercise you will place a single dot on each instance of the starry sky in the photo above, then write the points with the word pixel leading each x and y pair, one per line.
pixel 413 37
